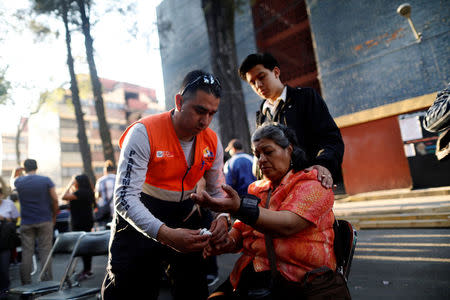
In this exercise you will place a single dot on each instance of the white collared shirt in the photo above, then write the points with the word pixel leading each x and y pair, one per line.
pixel 268 104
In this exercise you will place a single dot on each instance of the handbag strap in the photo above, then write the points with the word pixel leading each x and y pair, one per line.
pixel 269 245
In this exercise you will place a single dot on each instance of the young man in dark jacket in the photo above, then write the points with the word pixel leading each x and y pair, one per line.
pixel 299 108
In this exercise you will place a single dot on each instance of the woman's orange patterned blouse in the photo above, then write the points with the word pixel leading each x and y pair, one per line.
pixel 311 248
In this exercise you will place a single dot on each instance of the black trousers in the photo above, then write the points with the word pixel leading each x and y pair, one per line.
pixel 135 265
pixel 87 260
pixel 257 285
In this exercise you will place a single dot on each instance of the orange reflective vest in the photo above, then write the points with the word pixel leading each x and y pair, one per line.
pixel 168 175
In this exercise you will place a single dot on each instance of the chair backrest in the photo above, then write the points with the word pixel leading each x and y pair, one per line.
pixel 90 243
pixel 345 238
pixel 65 244
pixel 94 243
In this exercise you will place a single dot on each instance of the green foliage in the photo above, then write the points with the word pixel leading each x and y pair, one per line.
pixel 5 86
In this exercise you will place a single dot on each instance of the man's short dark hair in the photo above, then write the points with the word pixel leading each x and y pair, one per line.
pixel 237 145
pixel 30 165
pixel 192 82
pixel 266 59
pixel 234 143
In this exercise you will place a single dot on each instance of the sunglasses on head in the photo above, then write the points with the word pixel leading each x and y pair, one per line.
pixel 207 79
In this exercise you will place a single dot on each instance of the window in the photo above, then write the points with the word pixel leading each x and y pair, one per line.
pixel 68 123
pixel 70 147
pixel 69 172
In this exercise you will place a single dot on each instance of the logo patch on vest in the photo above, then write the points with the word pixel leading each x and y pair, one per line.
pixel 160 154
pixel 207 154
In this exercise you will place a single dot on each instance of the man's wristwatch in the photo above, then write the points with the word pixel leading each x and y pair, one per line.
pixel 248 212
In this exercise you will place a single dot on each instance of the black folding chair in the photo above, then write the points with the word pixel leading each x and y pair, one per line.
pixel 91 244
pixel 345 238
pixel 65 243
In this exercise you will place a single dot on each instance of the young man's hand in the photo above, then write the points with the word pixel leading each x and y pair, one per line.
pixel 323 175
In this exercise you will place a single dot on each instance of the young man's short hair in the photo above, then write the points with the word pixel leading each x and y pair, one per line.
pixel 30 165
pixel 193 82
pixel 266 59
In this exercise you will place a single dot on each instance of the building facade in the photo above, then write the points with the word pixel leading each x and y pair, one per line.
pixel 52 133
pixel 362 56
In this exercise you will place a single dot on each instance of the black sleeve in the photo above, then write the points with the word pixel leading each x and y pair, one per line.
pixel 438 115
pixel 327 136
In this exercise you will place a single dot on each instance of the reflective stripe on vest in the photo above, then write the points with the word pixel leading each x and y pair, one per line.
pixel 168 176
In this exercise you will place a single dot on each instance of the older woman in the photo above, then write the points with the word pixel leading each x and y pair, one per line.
pixel 298 220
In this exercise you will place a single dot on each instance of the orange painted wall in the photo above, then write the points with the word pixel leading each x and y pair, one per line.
pixel 374 158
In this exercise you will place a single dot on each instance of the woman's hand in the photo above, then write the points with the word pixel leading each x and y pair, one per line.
pixel 226 246
pixel 219 230
pixel 230 203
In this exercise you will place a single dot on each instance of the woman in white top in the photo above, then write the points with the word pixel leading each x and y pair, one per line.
pixel 8 217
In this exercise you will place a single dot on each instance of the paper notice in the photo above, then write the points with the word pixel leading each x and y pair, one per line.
pixel 410 128
pixel 409 150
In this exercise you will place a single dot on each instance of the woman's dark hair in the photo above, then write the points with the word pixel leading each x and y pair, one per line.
pixel 266 59
pixel 84 182
pixel 109 166
pixel 283 137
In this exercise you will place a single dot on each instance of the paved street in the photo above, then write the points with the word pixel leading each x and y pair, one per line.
pixel 388 264
pixel 401 264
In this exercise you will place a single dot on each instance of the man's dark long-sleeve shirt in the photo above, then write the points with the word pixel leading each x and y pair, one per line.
pixel 306 112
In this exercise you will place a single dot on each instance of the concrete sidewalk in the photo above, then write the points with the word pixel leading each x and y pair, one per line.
pixel 396 208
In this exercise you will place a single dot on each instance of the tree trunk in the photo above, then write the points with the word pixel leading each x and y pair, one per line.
pixel 22 124
pixel 219 17
pixel 108 150
pixel 85 151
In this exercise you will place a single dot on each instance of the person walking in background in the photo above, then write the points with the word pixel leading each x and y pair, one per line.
pixel 104 193
pixel 38 209
pixel 8 218
pixel 238 169
pixel 80 194
pixel 301 109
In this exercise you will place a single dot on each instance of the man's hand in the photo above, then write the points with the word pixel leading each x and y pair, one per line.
pixel 323 175
pixel 230 203
pixel 182 240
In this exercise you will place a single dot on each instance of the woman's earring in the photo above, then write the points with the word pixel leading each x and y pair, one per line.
pixel 291 164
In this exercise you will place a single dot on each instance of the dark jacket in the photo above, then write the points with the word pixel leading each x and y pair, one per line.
pixel 306 112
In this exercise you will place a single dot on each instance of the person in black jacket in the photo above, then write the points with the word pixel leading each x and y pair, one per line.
pixel 302 109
